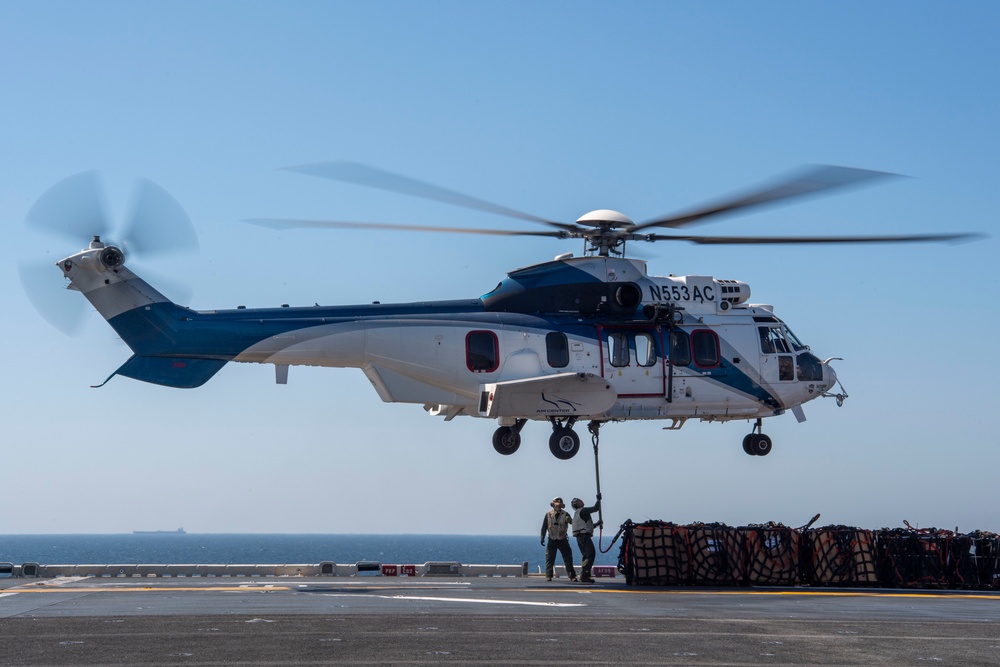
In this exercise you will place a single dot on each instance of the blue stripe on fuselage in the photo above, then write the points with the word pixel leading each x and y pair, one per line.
pixel 168 330
pixel 165 329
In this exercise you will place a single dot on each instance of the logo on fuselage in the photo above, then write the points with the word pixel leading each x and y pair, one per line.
pixel 558 405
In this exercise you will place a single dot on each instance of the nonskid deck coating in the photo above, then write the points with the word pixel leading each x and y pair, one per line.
pixel 482 621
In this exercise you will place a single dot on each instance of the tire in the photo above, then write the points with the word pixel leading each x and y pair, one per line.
pixel 564 443
pixel 506 440
pixel 761 445
pixel 746 444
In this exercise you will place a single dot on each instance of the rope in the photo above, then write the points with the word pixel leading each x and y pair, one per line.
pixel 595 438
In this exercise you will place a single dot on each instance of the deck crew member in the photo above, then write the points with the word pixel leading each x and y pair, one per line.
pixel 583 530
pixel 556 524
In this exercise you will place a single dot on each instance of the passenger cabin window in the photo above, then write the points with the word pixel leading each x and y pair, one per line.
pixel 482 351
pixel 705 346
pixel 680 348
pixel 645 351
pixel 557 349
pixel 618 349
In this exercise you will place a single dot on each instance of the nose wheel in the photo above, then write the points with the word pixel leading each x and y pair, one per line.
pixel 756 443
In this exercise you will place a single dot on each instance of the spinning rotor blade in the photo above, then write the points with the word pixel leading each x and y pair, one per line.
pixel 359 174
pixel 74 208
pixel 281 223
pixel 64 309
pixel 809 181
pixel 778 240
pixel 157 223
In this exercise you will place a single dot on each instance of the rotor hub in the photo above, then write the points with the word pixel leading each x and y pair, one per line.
pixel 605 218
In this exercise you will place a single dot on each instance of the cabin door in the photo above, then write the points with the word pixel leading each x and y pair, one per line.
pixel 632 360
pixel 777 360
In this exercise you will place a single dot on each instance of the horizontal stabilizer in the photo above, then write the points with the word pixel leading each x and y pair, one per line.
pixel 169 371
pixel 569 394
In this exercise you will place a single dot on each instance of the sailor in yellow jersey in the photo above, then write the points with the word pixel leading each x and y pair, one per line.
pixel 556 524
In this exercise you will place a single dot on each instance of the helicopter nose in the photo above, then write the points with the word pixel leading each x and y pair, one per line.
pixel 831 376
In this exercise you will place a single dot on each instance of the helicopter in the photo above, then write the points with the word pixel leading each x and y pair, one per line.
pixel 592 338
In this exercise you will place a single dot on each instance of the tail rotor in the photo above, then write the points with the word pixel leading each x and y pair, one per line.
pixel 75 210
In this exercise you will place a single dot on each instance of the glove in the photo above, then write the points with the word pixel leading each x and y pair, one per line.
pixel 598 496
pixel 543 541
pixel 599 524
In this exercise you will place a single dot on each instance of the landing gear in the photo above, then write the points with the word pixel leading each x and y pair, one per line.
pixel 564 443
pixel 506 439
pixel 756 443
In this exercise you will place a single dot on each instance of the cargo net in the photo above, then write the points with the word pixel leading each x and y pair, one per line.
pixel 932 558
pixel 978 554
pixel 772 554
pixel 840 556
pixel 654 553
pixel 716 555
pixel 659 553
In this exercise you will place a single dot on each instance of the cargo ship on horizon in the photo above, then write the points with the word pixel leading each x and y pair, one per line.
pixel 179 531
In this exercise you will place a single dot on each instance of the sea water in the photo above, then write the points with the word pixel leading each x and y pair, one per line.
pixel 209 548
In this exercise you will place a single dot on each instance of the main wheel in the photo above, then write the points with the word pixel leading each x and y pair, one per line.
pixel 564 443
pixel 760 444
pixel 746 444
pixel 506 440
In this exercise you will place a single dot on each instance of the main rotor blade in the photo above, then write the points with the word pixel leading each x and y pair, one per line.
pixel 73 207
pixel 360 174
pixel 808 181
pixel 157 222
pixel 284 223
pixel 777 240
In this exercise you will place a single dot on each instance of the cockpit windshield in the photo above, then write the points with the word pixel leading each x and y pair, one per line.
pixel 779 339
pixel 794 340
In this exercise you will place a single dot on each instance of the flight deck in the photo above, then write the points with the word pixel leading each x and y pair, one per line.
pixel 481 620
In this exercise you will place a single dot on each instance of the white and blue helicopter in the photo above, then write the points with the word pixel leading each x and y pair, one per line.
pixel 592 337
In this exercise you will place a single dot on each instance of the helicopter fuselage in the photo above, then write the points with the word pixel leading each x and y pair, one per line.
pixel 592 338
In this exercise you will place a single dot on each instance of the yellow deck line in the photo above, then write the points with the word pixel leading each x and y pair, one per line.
pixel 630 591
pixel 811 592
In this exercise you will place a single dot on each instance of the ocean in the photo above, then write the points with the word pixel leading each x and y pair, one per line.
pixel 208 548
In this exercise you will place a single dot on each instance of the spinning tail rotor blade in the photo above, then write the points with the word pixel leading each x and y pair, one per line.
pixel 73 208
pixel 64 309
pixel 157 223
pixel 808 181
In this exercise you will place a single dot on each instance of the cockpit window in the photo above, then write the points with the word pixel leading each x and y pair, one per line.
pixel 794 340
pixel 773 341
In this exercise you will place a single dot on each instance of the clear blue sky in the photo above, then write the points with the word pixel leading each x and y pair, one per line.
pixel 555 108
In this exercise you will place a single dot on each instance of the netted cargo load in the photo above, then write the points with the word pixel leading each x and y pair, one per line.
pixel 654 553
pixel 717 555
pixel 912 558
pixel 772 554
pixel 975 561
pixel 840 556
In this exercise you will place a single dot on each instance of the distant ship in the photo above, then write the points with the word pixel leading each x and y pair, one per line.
pixel 179 531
